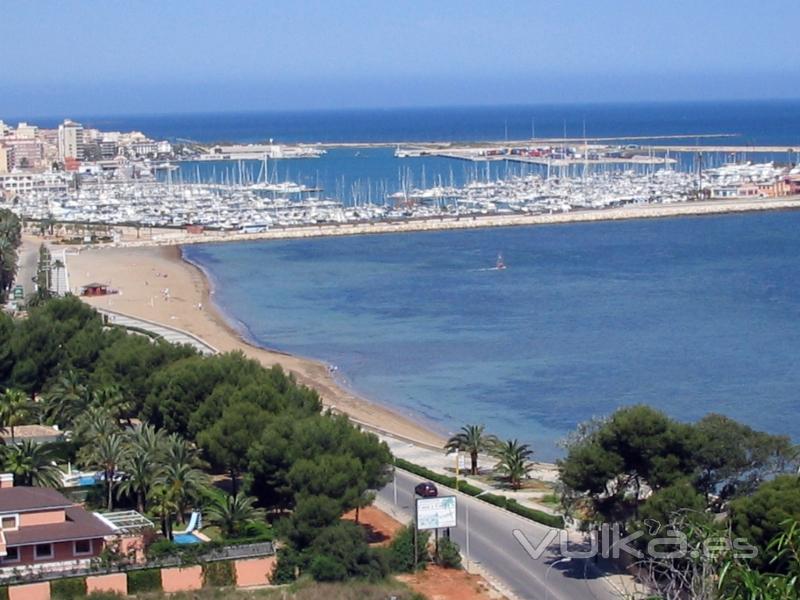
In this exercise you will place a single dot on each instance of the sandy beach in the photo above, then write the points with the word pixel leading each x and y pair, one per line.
pixel 143 274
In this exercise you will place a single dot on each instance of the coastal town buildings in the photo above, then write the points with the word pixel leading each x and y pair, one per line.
pixel 70 140
pixel 6 158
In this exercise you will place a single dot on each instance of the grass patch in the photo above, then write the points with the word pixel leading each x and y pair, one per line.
pixel 553 500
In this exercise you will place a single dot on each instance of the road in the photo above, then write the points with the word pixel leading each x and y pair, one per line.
pixel 27 261
pixel 494 547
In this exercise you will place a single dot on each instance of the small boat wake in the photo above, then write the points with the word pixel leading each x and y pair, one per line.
pixel 499 266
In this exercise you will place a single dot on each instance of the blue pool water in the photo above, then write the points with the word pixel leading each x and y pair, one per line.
pixel 185 538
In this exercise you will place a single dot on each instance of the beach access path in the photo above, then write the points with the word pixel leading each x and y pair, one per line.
pixel 170 334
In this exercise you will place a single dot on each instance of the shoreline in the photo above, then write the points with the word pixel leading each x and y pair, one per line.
pixel 191 307
pixel 132 238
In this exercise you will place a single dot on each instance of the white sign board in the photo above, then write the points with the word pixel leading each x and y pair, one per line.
pixel 436 513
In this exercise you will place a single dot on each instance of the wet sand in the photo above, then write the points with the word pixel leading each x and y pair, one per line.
pixel 142 275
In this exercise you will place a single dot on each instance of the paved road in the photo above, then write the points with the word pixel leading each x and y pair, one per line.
pixel 176 336
pixel 27 262
pixel 494 547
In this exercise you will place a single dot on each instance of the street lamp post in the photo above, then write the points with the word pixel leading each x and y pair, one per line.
pixel 566 559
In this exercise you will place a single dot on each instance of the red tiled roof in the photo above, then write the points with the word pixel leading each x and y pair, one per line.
pixel 24 499
pixel 80 525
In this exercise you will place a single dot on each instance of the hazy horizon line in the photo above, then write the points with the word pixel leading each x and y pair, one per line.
pixel 408 108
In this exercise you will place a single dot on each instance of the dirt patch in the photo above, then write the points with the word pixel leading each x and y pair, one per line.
pixel 379 526
pixel 437 583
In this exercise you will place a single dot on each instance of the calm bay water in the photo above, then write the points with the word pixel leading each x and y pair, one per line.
pixel 690 315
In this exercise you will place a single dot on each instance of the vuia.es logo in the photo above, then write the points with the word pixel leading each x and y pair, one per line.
pixel 612 544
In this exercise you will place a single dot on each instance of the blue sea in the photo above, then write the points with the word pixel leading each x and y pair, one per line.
pixel 354 175
pixel 755 122
pixel 690 315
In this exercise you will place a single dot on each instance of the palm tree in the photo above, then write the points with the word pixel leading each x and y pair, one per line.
pixel 139 477
pixel 66 399
pixel 107 454
pixel 32 465
pixel 164 506
pixel 93 424
pixel 111 398
pixel 15 409
pixel 513 461
pixel 471 439
pixel 146 439
pixel 58 265
pixel 234 513
pixel 184 483
pixel 179 474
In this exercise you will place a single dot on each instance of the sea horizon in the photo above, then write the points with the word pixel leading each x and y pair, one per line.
pixel 459 122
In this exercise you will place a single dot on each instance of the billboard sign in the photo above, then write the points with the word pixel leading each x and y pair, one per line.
pixel 436 513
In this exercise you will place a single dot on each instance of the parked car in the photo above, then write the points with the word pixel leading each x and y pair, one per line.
pixel 426 489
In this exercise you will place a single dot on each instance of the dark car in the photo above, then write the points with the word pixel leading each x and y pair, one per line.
pixel 426 489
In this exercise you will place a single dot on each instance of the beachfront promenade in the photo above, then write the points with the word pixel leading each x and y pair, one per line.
pixel 171 334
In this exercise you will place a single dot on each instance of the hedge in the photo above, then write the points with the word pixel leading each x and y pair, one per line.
pixel 471 490
pixel 495 499
pixel 146 580
pixel 539 516
pixel 219 574
pixel 67 589
pixel 4 592
pixel 445 480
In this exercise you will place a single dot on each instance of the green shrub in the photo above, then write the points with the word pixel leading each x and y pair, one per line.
pixel 327 568
pixel 424 472
pixel 468 489
pixel 346 554
pixel 147 580
pixel 539 516
pixel 162 548
pixel 448 556
pixel 401 550
pixel 105 596
pixel 445 480
pixel 3 592
pixel 219 574
pixel 285 567
pixel 67 589
pixel 253 533
pixel 500 501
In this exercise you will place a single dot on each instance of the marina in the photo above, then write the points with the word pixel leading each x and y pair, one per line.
pixel 246 203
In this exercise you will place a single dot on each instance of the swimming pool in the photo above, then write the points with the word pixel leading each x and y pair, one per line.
pixel 185 538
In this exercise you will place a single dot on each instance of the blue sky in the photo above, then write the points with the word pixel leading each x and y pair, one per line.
pixel 180 55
